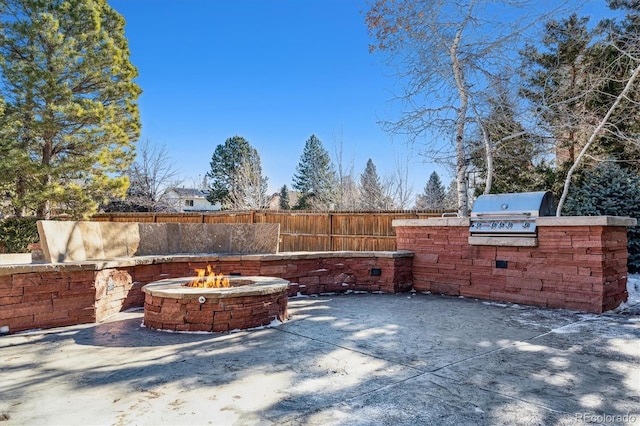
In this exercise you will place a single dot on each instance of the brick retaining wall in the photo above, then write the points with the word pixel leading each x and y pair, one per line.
pixel 46 295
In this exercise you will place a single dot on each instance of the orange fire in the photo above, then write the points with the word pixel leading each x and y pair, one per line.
pixel 210 281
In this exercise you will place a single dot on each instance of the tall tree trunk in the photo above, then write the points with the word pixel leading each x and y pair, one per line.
pixel 44 207
pixel 18 208
pixel 461 160
pixel 488 153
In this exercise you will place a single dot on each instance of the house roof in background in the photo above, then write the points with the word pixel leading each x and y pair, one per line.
pixel 189 192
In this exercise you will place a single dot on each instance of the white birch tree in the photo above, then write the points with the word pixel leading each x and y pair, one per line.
pixel 446 53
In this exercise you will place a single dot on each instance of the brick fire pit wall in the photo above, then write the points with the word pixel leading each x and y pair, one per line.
pixel 250 302
pixel 579 263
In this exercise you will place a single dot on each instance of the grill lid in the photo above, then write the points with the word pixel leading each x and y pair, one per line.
pixel 510 214
pixel 531 204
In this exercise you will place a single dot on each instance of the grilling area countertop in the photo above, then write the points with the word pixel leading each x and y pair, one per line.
pixel 517 241
pixel 540 221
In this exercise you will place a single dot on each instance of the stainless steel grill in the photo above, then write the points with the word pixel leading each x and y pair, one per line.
pixel 507 215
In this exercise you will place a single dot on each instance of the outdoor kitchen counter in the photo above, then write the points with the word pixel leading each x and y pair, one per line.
pixel 540 221
pixel 571 262
pixel 519 241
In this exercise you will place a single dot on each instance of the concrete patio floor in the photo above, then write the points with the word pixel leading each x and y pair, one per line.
pixel 359 359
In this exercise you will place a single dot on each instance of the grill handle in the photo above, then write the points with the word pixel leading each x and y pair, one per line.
pixel 503 214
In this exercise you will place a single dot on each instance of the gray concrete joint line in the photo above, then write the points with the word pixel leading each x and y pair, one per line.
pixel 544 407
pixel 515 343
pixel 433 372
pixel 351 350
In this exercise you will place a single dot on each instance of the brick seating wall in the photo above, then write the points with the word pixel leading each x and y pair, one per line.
pixel 44 296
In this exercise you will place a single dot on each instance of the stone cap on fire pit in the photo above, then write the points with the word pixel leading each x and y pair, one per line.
pixel 175 288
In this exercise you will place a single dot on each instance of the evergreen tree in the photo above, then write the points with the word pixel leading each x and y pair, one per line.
pixel 284 198
pixel 558 81
pixel 315 177
pixel 608 189
pixel 372 196
pixel 616 57
pixel 71 117
pixel 515 151
pixel 574 79
pixel 236 174
pixel 434 194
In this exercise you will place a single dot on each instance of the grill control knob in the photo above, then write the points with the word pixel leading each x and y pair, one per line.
pixel 509 225
pixel 526 225
pixel 501 225
pixel 494 224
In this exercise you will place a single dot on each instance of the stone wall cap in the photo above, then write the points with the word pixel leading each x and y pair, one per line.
pixel 439 221
pixel 123 262
pixel 586 221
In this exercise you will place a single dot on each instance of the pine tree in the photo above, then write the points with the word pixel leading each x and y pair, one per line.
pixel 576 76
pixel 315 177
pixel 372 196
pixel 558 79
pixel 71 118
pixel 284 198
pixel 236 175
pixel 609 190
pixel 515 151
pixel 434 194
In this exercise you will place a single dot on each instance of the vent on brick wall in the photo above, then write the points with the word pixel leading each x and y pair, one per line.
pixel 376 272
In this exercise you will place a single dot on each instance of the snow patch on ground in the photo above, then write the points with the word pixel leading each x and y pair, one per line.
pixel 276 322
pixel 633 289
pixel 501 305
pixel 609 326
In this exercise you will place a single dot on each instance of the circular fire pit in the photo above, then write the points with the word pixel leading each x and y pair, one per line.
pixel 248 302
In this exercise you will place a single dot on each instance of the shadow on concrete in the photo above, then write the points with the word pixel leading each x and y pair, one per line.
pixel 356 359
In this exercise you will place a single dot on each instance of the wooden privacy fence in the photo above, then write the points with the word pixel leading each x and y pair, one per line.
pixel 301 230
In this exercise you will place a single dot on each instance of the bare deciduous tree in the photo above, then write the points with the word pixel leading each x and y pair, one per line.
pixel 149 176
pixel 397 189
pixel 347 194
pixel 446 53
pixel 249 191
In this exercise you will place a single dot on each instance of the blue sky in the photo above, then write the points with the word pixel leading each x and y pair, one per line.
pixel 274 72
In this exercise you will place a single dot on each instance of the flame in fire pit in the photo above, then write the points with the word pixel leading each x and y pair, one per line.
pixel 210 281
